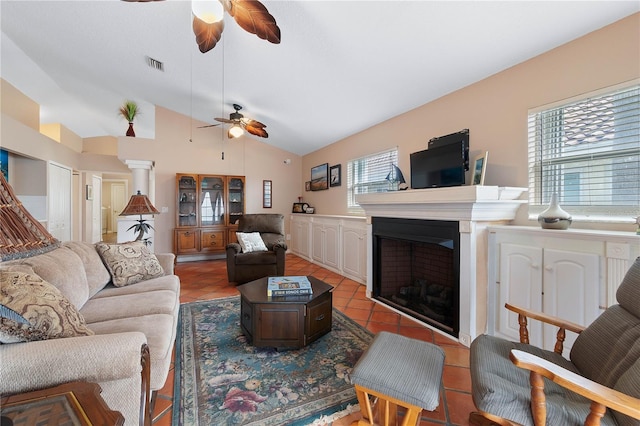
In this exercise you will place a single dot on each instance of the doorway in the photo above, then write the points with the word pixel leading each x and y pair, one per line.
pixel 114 199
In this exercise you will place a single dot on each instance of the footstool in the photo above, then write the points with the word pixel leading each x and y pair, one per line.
pixel 398 371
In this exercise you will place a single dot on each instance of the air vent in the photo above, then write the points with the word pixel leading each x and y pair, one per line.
pixel 154 63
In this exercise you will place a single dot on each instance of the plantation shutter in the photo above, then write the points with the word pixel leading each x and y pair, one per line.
pixel 587 151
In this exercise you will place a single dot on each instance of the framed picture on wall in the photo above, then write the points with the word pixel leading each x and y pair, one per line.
pixel 307 185
pixel 320 177
pixel 4 163
pixel 335 177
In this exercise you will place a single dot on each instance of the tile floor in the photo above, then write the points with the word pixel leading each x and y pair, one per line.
pixel 207 280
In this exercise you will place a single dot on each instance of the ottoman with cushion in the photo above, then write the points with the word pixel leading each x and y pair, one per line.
pixel 398 371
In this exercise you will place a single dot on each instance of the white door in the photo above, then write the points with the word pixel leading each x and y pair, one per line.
pixel 354 251
pixel 571 291
pixel 96 214
pixel 118 202
pixel 521 285
pixel 59 201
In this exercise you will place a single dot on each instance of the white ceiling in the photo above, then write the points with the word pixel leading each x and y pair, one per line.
pixel 342 66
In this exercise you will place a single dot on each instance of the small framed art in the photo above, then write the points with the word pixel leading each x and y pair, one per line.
pixel 479 168
pixel 307 185
pixel 89 192
pixel 335 173
pixel 320 177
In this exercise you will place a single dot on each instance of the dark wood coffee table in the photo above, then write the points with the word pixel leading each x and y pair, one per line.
pixel 285 322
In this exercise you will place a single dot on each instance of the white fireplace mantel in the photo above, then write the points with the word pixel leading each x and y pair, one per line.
pixel 474 207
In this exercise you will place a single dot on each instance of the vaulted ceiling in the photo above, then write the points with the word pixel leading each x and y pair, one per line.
pixel 341 67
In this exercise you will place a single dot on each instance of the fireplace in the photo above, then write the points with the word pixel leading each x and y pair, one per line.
pixel 472 209
pixel 416 269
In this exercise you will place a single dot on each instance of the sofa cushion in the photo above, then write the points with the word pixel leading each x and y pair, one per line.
pixel 129 263
pixel 97 274
pixel 64 269
pixel 33 309
pixel 165 282
pixel 250 242
pixel 130 306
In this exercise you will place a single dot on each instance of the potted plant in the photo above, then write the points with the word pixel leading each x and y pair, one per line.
pixel 129 110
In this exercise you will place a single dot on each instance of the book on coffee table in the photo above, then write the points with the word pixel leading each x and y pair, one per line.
pixel 288 286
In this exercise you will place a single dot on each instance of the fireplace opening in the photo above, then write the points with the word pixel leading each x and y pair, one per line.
pixel 416 269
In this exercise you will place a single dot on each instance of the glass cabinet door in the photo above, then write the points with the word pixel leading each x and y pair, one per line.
pixel 212 208
pixel 187 213
pixel 236 199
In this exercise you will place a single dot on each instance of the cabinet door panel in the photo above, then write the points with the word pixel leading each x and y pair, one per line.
pixel 571 290
pixel 331 246
pixel 521 285
pixel 187 242
pixel 354 260
pixel 317 242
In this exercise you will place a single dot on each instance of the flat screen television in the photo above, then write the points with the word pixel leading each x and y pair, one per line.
pixel 443 164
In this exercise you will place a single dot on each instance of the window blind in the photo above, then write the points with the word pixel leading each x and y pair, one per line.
pixel 588 152
pixel 368 174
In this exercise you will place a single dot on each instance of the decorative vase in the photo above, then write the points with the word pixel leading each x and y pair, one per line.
pixel 130 131
pixel 554 217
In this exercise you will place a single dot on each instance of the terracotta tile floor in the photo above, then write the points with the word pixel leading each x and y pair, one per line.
pixel 207 280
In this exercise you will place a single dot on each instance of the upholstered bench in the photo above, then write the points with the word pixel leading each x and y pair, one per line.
pixel 398 371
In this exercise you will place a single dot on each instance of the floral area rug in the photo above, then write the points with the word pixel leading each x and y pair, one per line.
pixel 222 380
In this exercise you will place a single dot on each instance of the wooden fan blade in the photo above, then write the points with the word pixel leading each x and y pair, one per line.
pixel 256 128
pixel 210 125
pixel 207 35
pixel 253 17
pixel 224 120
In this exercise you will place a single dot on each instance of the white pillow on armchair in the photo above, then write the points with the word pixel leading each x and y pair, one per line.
pixel 250 242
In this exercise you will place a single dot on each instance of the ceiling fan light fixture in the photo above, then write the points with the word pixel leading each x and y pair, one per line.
pixel 235 131
pixel 210 11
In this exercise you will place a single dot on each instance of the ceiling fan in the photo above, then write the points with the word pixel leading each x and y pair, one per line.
pixel 208 22
pixel 239 124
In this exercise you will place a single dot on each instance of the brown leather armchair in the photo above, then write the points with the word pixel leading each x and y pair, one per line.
pixel 245 267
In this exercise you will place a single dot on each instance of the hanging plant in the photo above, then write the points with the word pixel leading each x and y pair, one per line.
pixel 129 111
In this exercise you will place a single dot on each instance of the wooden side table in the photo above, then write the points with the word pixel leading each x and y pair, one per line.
pixel 74 403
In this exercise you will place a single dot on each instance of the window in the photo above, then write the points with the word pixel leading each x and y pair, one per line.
pixel 368 174
pixel 587 151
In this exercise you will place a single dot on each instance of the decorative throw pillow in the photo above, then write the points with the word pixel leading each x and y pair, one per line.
pixel 32 309
pixel 129 263
pixel 250 241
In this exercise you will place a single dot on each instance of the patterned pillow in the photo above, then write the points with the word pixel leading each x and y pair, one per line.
pixel 129 263
pixel 250 241
pixel 32 309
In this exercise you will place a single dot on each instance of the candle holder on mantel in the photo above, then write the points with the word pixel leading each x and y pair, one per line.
pixel 554 217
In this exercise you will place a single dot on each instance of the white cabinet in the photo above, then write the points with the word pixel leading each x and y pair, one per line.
pixel 325 239
pixel 338 243
pixel 354 250
pixel 300 236
pixel 560 283
pixel 571 274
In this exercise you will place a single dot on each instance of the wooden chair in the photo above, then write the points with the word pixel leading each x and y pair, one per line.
pixel 517 383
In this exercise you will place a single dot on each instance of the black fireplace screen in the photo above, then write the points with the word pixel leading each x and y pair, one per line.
pixel 416 269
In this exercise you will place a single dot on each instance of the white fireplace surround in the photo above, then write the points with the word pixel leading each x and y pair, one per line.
pixel 474 207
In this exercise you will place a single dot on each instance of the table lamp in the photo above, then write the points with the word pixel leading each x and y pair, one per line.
pixel 139 204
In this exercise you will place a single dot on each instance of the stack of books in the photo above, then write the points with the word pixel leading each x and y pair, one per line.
pixel 289 286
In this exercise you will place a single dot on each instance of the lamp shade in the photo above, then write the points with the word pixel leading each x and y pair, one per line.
pixel 139 204
pixel 235 131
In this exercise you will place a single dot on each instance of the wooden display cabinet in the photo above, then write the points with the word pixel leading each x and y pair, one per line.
pixel 207 214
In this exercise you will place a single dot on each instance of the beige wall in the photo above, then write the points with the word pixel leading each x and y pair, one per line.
pixel 495 112
pixel 247 156
pixel 16 105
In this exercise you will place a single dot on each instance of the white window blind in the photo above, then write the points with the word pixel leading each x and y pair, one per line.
pixel 588 152
pixel 368 174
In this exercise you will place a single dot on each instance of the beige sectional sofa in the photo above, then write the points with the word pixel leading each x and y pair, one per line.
pixel 125 322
